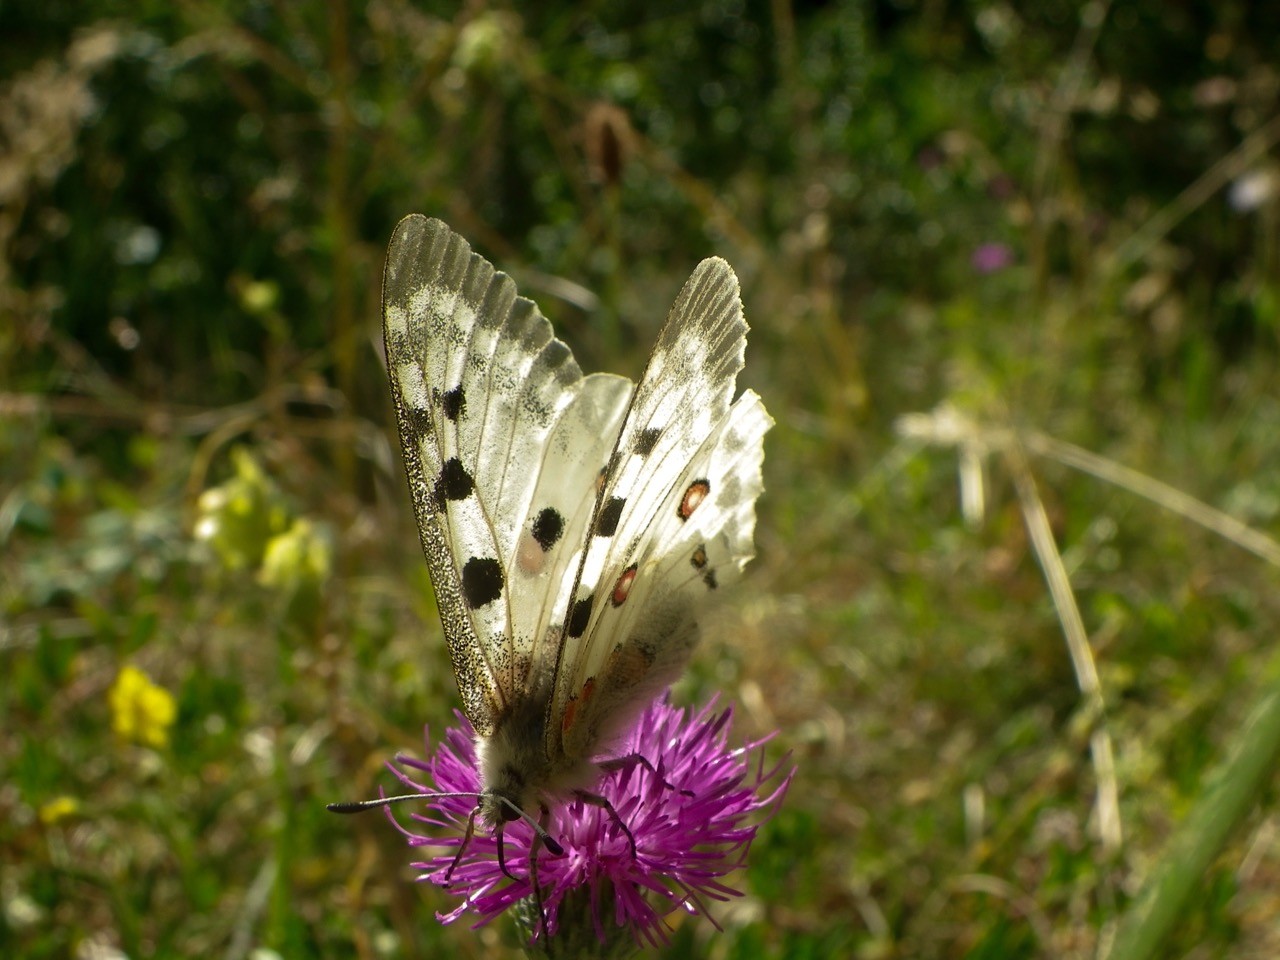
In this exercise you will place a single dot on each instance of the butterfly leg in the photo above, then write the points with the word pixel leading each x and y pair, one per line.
pixel 533 876
pixel 502 856
pixel 603 802
pixel 638 759
pixel 466 842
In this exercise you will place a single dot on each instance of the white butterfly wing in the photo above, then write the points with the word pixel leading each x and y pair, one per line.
pixel 564 497
pixel 675 518
pixel 491 409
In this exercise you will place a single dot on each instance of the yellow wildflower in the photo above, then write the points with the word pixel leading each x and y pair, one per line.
pixel 59 808
pixel 141 711
pixel 298 558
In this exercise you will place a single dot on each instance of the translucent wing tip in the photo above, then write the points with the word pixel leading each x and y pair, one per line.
pixel 713 275
pixel 420 248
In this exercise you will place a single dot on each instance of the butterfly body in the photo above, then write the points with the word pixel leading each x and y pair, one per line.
pixel 514 766
pixel 574 526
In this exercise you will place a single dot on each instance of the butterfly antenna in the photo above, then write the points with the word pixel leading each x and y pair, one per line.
pixel 359 806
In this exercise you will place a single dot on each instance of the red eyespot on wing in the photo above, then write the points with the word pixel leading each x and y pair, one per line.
pixel 570 711
pixel 622 588
pixel 698 491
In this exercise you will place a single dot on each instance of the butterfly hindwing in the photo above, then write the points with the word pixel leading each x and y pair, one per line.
pixel 564 497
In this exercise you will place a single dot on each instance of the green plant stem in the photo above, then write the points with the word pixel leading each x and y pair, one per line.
pixel 1231 792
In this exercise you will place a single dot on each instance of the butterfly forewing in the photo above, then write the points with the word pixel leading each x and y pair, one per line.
pixel 479 383
pixel 665 447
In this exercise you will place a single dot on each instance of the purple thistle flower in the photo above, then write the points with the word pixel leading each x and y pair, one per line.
pixel 991 258
pixel 693 817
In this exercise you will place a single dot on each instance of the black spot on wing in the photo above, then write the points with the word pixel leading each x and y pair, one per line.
pixel 418 421
pixel 454 403
pixel 581 615
pixel 646 440
pixel 699 561
pixel 481 581
pixel 610 514
pixel 548 527
pixel 454 483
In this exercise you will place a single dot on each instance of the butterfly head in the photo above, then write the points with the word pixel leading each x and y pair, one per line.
pixel 498 808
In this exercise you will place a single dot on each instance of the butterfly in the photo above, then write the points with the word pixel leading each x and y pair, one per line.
pixel 574 526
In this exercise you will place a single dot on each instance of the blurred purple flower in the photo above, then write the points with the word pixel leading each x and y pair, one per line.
pixel 690 831
pixel 991 257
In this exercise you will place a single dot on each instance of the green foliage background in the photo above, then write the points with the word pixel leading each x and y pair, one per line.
pixel 1050 230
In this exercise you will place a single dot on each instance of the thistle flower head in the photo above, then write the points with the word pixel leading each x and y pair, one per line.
pixel 693 805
